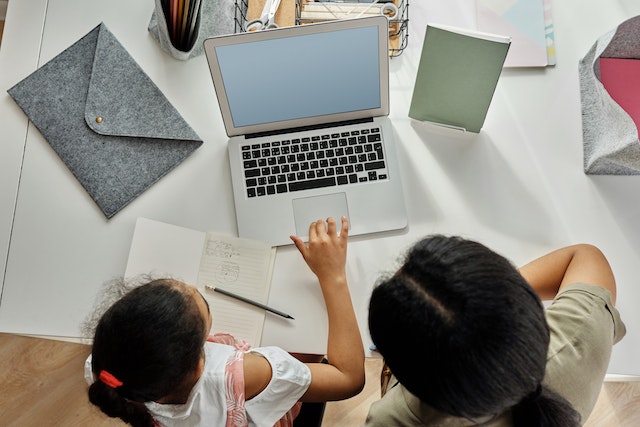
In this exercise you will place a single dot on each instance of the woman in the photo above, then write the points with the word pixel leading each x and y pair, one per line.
pixel 469 342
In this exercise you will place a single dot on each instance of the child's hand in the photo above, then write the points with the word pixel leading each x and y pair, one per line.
pixel 326 256
pixel 326 253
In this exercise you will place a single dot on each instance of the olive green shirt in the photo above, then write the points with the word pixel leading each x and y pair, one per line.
pixel 584 326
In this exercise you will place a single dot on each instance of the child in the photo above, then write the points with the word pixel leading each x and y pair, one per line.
pixel 152 363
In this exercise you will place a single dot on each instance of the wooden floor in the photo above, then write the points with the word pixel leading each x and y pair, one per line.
pixel 42 384
pixel 2 22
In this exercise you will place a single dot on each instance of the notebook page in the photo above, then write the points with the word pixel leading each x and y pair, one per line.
pixel 243 267
pixel 165 250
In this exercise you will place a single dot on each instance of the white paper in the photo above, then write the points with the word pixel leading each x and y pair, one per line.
pixel 243 267
pixel 162 249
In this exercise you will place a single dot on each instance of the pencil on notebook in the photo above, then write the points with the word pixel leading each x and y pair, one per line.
pixel 248 301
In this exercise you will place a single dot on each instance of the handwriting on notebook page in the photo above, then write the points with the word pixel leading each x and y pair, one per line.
pixel 243 267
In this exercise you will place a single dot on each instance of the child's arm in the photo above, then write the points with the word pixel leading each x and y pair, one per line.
pixel 573 264
pixel 326 256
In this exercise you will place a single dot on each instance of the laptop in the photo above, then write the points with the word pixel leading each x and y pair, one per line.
pixel 305 109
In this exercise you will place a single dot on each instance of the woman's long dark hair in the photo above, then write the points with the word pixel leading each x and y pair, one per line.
pixel 150 340
pixel 463 331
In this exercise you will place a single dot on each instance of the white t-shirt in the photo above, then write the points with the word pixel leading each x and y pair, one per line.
pixel 206 405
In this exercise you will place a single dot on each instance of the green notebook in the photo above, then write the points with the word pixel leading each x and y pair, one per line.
pixel 457 76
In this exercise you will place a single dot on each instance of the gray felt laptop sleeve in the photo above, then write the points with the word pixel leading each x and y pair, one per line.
pixel 110 124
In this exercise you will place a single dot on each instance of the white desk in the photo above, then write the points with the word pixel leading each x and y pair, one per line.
pixel 518 186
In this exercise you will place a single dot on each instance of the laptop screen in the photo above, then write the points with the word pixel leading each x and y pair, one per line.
pixel 301 76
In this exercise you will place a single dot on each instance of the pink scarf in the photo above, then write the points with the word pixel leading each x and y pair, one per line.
pixel 234 385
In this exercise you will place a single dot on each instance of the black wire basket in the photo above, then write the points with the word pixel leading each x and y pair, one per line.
pixel 240 16
pixel 398 27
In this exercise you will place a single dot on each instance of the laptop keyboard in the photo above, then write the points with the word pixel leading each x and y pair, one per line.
pixel 313 162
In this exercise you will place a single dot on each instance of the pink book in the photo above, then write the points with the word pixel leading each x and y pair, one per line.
pixel 621 78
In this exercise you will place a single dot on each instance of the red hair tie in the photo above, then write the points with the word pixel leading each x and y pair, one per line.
pixel 109 379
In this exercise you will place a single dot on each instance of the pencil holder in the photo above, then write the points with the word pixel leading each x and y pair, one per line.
pixel 180 26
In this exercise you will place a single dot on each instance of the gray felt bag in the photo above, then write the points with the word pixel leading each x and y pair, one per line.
pixel 215 18
pixel 610 137
pixel 104 117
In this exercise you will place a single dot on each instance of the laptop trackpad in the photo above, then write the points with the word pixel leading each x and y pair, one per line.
pixel 309 209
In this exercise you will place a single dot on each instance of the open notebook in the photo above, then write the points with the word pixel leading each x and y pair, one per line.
pixel 240 266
